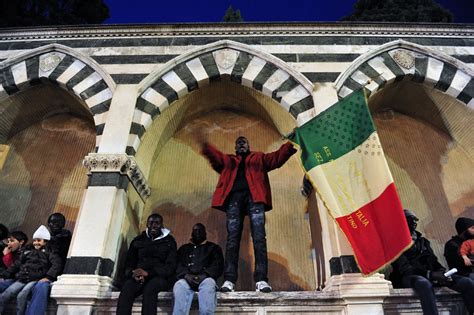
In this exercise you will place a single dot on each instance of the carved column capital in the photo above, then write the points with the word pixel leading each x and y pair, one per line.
pixel 119 163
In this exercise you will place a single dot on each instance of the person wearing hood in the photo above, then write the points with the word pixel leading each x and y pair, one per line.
pixel 149 267
pixel 454 247
pixel 244 189
pixel 418 268
pixel 200 263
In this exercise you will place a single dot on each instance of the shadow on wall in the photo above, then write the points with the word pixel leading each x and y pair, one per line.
pixel 316 240
pixel 43 173
pixel 427 138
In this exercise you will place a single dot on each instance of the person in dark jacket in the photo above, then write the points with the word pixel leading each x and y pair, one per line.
pixel 11 255
pixel 418 268
pixel 465 229
pixel 60 239
pixel 39 262
pixel 200 263
pixel 149 267
pixel 244 189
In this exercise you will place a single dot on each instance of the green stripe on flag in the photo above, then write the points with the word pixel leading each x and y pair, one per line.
pixel 334 132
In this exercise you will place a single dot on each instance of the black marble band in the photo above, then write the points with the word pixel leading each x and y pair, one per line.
pixel 89 266
pixel 343 264
pixel 108 179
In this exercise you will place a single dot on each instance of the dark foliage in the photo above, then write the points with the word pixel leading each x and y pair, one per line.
pixel 15 13
pixel 232 15
pixel 399 11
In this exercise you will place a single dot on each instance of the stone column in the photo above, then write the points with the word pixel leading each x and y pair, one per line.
pixel 335 244
pixel 90 267
pixel 362 295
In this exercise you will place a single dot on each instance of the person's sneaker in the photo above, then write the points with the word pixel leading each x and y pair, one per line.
pixel 263 286
pixel 227 286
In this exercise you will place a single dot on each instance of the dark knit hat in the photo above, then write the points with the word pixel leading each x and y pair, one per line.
pixel 462 224
pixel 409 213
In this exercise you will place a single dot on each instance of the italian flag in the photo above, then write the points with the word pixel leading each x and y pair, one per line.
pixel 342 156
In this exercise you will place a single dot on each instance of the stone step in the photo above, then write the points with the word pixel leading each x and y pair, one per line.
pixel 400 301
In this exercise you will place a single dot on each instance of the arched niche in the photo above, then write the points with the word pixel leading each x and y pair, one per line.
pixel 45 134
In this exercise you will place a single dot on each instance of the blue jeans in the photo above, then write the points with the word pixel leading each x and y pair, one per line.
pixel 424 288
pixel 39 298
pixel 183 297
pixel 22 297
pixel 10 293
pixel 239 204
pixel 5 283
pixel 465 286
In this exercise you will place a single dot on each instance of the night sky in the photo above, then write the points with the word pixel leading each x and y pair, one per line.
pixel 169 11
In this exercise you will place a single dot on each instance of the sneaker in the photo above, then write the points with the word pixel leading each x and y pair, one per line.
pixel 227 286
pixel 263 286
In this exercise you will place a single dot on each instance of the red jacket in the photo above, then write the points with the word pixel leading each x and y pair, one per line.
pixel 257 165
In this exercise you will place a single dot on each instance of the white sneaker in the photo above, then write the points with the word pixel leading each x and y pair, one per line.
pixel 227 286
pixel 263 286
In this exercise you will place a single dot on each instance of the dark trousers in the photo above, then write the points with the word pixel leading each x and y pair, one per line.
pixel 131 289
pixel 238 205
pixel 424 288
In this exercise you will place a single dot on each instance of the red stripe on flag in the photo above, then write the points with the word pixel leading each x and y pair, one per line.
pixel 378 231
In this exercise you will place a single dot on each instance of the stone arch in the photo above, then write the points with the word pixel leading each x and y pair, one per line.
pixel 71 70
pixel 399 59
pixel 238 62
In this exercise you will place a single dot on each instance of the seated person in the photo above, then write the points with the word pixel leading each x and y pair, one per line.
pixel 453 248
pixel 200 263
pixel 11 255
pixel 467 252
pixel 16 240
pixel 418 268
pixel 39 262
pixel 150 265
pixel 60 239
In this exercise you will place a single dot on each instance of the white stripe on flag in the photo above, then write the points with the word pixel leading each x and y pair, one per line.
pixel 354 179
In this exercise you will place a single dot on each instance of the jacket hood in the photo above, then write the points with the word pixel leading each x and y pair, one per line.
pixel 164 233
pixel 462 224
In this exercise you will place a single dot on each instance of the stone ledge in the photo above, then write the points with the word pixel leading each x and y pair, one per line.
pixel 254 298
pixel 402 301
pixel 246 302
pixel 439 291
pixel 300 302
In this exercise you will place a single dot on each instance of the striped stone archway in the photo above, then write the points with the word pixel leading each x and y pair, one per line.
pixel 396 60
pixel 64 66
pixel 238 62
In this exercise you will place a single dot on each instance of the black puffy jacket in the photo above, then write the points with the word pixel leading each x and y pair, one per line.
pixel 61 241
pixel 157 257
pixel 35 264
pixel 204 258
pixel 454 258
pixel 417 260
